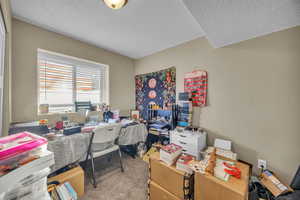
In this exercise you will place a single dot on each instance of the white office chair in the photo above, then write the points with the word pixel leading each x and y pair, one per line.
pixel 102 142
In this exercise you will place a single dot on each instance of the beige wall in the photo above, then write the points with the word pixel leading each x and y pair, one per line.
pixel 254 94
pixel 6 11
pixel 28 38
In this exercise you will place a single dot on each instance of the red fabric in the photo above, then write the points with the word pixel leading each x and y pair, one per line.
pixel 196 82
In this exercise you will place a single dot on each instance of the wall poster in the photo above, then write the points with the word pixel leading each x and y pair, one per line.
pixel 196 82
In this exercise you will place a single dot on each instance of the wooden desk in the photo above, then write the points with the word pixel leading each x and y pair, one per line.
pixel 208 187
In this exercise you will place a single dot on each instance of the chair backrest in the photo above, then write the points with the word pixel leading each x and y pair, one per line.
pixel 107 133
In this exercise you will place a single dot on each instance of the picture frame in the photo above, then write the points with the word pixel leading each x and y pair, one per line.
pixel 135 114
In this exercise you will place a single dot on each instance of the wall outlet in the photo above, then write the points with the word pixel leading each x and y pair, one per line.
pixel 261 163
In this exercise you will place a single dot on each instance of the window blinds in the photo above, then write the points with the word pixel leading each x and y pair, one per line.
pixel 56 83
pixel 64 80
pixel 88 86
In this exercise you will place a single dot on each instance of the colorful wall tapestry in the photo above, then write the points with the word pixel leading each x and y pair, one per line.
pixel 196 82
pixel 157 88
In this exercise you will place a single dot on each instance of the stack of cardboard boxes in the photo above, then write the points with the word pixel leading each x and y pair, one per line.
pixel 168 183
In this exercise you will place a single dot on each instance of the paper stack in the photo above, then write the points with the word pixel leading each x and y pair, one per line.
pixel 170 153
pixel 183 163
pixel 24 167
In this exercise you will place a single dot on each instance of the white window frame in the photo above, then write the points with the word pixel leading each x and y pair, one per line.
pixel 2 66
pixel 72 61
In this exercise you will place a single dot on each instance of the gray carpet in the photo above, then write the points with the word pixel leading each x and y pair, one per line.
pixel 115 185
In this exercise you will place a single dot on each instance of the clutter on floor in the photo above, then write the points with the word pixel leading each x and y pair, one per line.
pixel 181 165
pixel 155 148
pixel 215 178
pixel 273 184
pixel 218 174
pixel 63 191
pixel 74 176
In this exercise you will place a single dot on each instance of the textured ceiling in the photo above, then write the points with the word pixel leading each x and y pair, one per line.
pixel 141 28
pixel 230 21
pixel 144 27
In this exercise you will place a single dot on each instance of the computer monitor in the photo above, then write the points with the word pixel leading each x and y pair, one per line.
pixel 296 181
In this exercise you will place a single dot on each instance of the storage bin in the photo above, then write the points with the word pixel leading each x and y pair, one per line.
pixel 20 144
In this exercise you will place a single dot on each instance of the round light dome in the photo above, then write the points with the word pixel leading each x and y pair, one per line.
pixel 115 4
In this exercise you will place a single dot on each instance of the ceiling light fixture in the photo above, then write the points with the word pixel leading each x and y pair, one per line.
pixel 115 4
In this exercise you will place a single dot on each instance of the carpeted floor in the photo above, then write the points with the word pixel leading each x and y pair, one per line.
pixel 115 185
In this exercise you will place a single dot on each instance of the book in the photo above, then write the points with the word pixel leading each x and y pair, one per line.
pixel 183 163
pixel 60 193
pixel 66 193
pixel 71 190
pixel 170 153
pixel 55 195
pixel 63 192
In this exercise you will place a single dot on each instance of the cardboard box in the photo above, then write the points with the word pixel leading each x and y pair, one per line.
pixel 208 187
pixel 168 177
pixel 74 176
pixel 158 193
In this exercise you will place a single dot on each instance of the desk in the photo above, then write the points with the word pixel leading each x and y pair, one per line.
pixel 73 148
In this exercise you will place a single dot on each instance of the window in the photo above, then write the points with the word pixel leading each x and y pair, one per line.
pixel 63 80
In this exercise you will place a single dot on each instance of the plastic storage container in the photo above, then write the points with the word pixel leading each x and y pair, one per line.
pixel 16 147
